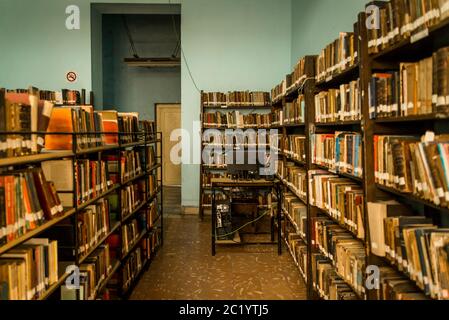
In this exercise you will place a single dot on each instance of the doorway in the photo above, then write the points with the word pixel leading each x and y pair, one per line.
pixel 168 118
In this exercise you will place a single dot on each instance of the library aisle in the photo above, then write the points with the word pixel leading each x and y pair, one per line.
pixel 186 270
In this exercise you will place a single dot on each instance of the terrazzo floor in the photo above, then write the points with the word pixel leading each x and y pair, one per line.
pixel 185 270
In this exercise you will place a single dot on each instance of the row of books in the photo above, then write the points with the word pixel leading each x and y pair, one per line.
pixel 27 200
pixel 91 178
pixel 395 285
pixel 128 124
pixel 297 213
pixel 24 112
pixel 327 282
pixel 294 112
pixel 298 250
pixel 132 196
pixel 279 90
pixel 292 80
pixel 93 224
pixel 151 214
pixel 340 152
pixel 298 75
pixel 415 165
pixel 294 146
pixel 27 271
pixel 236 119
pixel 337 56
pixel 131 165
pixel 295 177
pixel 417 88
pixel 254 138
pixel 340 198
pixel 402 19
pixel 93 272
pixel 347 254
pixel 138 258
pixel 239 98
pixel 131 233
pixel 93 128
pixel 417 247
pixel 339 105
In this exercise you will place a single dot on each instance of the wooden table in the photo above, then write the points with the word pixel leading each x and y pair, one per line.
pixel 225 183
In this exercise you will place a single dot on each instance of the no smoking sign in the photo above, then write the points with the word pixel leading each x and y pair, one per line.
pixel 71 76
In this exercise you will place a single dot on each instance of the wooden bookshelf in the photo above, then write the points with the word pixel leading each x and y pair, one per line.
pixel 36 232
pixel 70 214
pixel 225 108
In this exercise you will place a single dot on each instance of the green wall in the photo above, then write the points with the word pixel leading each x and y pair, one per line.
pixel 229 45
pixel 317 23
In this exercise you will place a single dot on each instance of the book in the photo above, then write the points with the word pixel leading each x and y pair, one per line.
pixel 339 152
pixel 295 178
pixel 92 225
pixel 128 126
pixel 404 19
pixel 132 196
pixel 28 270
pixel 339 105
pixel 94 270
pixel 28 202
pixel 92 178
pixel 109 125
pixel 297 213
pixel 294 146
pixel 24 113
pixel 131 233
pixel 236 120
pixel 408 91
pixel 414 165
pixel 343 253
pixel 236 98
pixel 418 249
pixel 337 56
pixel 377 213
pixel 340 198
pixel 294 112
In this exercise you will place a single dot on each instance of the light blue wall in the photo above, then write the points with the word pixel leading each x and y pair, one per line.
pixel 317 23
pixel 229 44
pixel 138 89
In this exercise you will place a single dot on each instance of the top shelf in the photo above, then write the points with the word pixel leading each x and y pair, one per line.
pixel 236 106
pixel 417 47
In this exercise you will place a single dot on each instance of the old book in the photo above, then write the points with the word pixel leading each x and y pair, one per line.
pixel 61 121
pixel 110 127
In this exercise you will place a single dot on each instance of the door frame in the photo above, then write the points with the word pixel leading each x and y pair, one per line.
pixel 156 122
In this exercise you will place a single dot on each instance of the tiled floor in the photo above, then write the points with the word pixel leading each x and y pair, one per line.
pixel 185 269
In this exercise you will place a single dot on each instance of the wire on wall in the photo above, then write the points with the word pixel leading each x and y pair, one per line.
pixel 182 51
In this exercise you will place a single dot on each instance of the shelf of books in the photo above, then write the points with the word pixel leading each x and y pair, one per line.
pixel 232 121
pixel 407 117
pixel 364 159
pixel 76 185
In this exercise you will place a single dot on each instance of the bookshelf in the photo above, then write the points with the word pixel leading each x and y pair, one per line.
pixel 225 107
pixel 411 49
pixel 70 215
